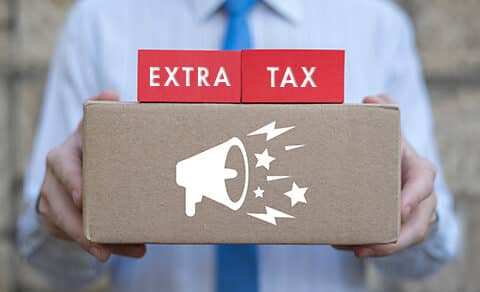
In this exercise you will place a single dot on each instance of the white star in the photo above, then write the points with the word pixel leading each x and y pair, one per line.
pixel 258 192
pixel 264 159
pixel 297 194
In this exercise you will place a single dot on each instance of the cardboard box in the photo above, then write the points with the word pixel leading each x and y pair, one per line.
pixel 241 173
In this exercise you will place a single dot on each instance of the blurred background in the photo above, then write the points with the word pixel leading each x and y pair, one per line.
pixel 448 36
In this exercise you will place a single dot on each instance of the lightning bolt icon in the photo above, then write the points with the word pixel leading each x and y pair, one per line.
pixel 270 215
pixel 270 130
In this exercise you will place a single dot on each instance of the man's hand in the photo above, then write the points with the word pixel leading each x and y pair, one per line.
pixel 418 200
pixel 60 200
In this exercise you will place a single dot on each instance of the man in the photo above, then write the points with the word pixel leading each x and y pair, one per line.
pixel 97 51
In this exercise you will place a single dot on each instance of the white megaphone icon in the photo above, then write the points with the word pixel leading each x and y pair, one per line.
pixel 204 174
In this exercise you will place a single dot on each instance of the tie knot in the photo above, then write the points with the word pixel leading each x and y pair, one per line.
pixel 238 7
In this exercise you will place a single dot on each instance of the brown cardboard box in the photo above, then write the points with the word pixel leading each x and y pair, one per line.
pixel 305 174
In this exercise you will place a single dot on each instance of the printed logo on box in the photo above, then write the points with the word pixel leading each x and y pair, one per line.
pixel 205 174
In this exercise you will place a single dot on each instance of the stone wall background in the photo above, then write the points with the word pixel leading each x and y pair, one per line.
pixel 448 34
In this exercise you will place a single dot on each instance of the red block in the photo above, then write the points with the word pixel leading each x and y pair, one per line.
pixel 293 76
pixel 189 76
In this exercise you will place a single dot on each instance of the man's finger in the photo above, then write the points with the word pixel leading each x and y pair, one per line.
pixel 71 223
pixel 418 174
pixel 44 209
pixel 418 177
pixel 379 99
pixel 129 250
pixel 66 167
pixel 105 96
pixel 417 187
pixel 345 247
pixel 54 230
pixel 412 232
pixel 67 217
pixel 71 174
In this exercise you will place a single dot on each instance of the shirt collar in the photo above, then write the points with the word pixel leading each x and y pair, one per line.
pixel 292 10
pixel 203 9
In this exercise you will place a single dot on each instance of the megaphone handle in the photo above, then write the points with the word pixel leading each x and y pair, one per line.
pixel 190 202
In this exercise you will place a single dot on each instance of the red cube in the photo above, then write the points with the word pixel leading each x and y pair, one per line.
pixel 189 76
pixel 293 76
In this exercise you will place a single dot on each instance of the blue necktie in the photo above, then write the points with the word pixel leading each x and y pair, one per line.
pixel 237 36
pixel 237 264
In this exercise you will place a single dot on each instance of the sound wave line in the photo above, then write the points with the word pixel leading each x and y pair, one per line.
pixel 276 177
pixel 292 147
pixel 270 130
pixel 270 215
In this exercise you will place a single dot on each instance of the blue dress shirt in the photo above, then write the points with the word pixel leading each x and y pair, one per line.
pixel 97 50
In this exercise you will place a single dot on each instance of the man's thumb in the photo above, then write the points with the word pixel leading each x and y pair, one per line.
pixel 107 96
pixel 379 99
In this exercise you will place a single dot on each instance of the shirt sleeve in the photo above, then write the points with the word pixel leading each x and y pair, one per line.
pixel 405 82
pixel 72 79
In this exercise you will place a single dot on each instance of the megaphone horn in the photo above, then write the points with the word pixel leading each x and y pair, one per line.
pixel 204 174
